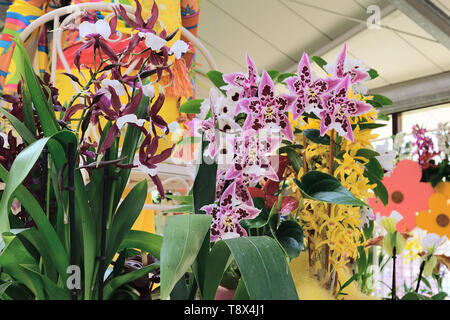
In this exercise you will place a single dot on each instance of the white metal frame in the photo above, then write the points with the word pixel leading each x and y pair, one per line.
pixel 171 172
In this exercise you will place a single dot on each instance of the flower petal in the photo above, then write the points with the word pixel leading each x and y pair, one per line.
pixel 178 48
pixel 103 28
pixel 304 70
pixel 266 88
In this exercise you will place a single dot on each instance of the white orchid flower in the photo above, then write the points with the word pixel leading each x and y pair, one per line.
pixel 386 157
pixel 178 48
pixel 152 41
pixel 148 90
pixel 100 27
pixel 129 118
pixel 432 241
pixel 118 87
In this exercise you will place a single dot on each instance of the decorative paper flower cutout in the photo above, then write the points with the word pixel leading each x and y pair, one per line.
pixel 437 219
pixel 406 194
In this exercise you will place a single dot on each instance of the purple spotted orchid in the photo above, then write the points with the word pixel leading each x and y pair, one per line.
pixel 268 110
pixel 338 110
pixel 251 149
pixel 227 214
pixel 241 190
pixel 308 92
pixel 353 68
pixel 247 84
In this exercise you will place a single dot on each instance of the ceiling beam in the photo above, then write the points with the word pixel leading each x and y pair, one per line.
pixel 418 93
pixel 339 41
pixel 428 16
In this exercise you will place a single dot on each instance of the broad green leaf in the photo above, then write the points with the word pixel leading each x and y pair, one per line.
pixel 45 111
pixel 284 76
pixel 320 62
pixel 181 209
pixel 414 296
pixel 324 187
pixel 217 262
pixel 142 240
pixel 241 291
pixel 366 153
pixel 11 260
pixel 368 125
pixel 116 282
pixel 21 129
pixel 314 136
pixel 204 188
pixel 375 169
pixel 373 74
pixel 263 268
pixel 382 116
pixel 181 199
pixel 182 240
pixel 28 114
pixel 440 296
pixel 385 101
pixel 53 244
pixel 261 219
pixel 216 78
pixel 125 217
pixel 191 106
pixel 295 159
pixel 290 235
pixel 273 74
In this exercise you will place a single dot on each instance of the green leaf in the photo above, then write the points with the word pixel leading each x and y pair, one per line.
pixel 45 111
pixel 368 126
pixel 375 169
pixel 440 296
pixel 142 240
pixel 217 262
pixel 314 136
pixel 273 74
pixel 181 209
pixel 116 282
pixel 21 129
pixel 284 76
pixel 204 188
pixel 12 259
pixel 294 158
pixel 191 106
pixel 28 114
pixel 385 101
pixel 182 240
pixel 263 268
pixel 216 78
pixel 366 153
pixel 414 296
pixel 373 74
pixel 53 245
pixel 324 187
pixel 261 219
pixel 125 217
pixel 320 62
pixel 241 291
pixel 382 116
pixel 290 235
pixel 374 104
pixel 181 199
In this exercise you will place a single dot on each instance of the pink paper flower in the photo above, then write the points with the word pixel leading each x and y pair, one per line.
pixel 268 110
pixel 227 214
pixel 338 108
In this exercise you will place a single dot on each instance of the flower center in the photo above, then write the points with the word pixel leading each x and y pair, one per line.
pixel 269 111
pixel 228 221
pixel 442 220
pixel 397 197
pixel 312 93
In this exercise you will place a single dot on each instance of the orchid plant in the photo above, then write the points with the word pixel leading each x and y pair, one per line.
pixel 72 238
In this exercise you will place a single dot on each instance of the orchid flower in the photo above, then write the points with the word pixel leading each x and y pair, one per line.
pixel 353 68
pixel 338 108
pixel 247 84
pixel 120 115
pixel 308 92
pixel 149 159
pixel 431 242
pixel 155 118
pixel 386 157
pixel 178 48
pixel 96 34
pixel 268 110
pixel 227 215
pixel 251 149
pixel 241 190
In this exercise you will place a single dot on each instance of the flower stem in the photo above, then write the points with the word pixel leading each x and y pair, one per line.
pixel 331 172
pixel 422 266
pixel 394 289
